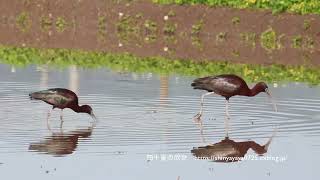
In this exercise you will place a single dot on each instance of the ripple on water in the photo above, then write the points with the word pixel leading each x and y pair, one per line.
pixel 144 115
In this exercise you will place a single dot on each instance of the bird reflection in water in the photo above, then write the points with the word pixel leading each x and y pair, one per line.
pixel 229 150
pixel 60 144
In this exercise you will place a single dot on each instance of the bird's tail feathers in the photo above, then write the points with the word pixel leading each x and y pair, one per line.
pixel 36 96
pixel 200 83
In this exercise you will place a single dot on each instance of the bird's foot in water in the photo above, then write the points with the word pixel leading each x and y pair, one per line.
pixel 198 116
pixel 61 118
pixel 61 124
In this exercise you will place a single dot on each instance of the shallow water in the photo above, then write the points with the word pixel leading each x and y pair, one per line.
pixel 144 115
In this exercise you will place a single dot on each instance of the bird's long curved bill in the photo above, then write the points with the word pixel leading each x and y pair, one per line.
pixel 272 101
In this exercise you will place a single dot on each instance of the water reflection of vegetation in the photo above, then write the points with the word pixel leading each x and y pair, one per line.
pixel 127 62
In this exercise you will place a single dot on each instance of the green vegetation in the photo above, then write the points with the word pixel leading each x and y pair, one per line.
pixel 139 15
pixel 297 42
pixel 221 37
pixel 23 21
pixel 102 29
pixel 61 24
pixel 235 20
pixel 295 6
pixel 306 24
pixel 150 25
pixel 171 13
pixel 45 23
pixel 309 43
pixel 235 53
pixel 195 34
pixel 150 30
pixel 302 42
pixel 128 28
pixel 170 39
pixel 169 31
pixel 170 28
pixel 269 40
pixel 196 41
pixel 126 62
pixel 196 28
pixel 248 38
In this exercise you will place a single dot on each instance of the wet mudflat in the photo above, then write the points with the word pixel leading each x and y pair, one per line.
pixel 145 29
pixel 145 128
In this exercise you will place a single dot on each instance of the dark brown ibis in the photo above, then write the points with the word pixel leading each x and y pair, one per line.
pixel 62 98
pixel 228 85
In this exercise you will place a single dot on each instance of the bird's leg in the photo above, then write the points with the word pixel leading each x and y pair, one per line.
pixel 61 121
pixel 61 115
pixel 201 105
pixel 48 119
pixel 227 109
pixel 200 125
pixel 49 114
pixel 61 124
pixel 227 119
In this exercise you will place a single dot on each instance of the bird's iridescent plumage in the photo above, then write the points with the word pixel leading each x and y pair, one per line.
pixel 62 98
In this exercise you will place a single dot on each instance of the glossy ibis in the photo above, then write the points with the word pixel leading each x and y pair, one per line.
pixel 227 85
pixel 61 98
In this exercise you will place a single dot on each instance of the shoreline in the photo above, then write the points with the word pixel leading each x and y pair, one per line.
pixel 61 58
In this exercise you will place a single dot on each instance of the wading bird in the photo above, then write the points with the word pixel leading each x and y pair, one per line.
pixel 228 85
pixel 61 98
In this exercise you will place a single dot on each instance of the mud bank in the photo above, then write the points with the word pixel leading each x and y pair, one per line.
pixel 179 32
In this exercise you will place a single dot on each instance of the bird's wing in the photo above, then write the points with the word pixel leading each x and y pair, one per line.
pixel 54 97
pixel 227 83
pixel 224 86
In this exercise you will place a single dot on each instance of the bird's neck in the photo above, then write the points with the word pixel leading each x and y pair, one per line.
pixel 254 91
pixel 76 108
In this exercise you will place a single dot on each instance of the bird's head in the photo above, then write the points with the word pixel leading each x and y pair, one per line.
pixel 262 87
pixel 87 109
